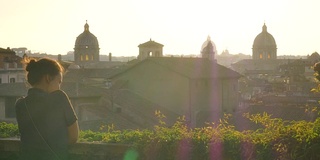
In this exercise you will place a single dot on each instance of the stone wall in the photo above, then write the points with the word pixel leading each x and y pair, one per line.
pixel 9 150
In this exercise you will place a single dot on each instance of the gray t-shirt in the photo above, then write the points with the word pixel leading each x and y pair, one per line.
pixel 52 113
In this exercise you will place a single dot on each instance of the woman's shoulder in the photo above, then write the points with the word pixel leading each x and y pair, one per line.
pixel 20 101
pixel 59 94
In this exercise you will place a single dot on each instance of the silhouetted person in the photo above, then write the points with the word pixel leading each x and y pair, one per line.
pixel 46 119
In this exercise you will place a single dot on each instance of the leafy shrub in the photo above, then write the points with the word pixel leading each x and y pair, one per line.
pixel 8 130
pixel 275 139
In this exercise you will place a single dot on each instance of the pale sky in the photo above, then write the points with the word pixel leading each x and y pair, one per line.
pixel 182 26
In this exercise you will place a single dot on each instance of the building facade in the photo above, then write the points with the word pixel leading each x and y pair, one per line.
pixel 11 68
pixel 195 87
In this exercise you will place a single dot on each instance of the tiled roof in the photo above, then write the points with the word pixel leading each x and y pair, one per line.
pixel 13 89
pixel 92 77
pixel 196 67
pixel 81 90
pixel 248 72
pixel 72 89
pixel 105 117
pixel 87 73
pixel 11 71
pixel 141 107
pixel 100 64
pixel 7 51
pixel 136 112
pixel 250 63
pixel 191 67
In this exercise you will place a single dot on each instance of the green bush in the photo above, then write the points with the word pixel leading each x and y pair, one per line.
pixel 8 130
pixel 275 139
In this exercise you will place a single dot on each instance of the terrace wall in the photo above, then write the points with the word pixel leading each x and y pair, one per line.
pixel 9 150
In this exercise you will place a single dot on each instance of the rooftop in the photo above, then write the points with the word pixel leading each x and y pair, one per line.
pixel 190 67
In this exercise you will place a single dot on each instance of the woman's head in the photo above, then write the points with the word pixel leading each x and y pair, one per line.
pixel 44 72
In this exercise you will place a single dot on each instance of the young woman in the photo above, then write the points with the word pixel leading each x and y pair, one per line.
pixel 46 119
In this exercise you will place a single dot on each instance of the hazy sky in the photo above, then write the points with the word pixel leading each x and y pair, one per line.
pixel 182 26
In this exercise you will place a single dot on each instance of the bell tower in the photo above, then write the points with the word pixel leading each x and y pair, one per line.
pixel 150 49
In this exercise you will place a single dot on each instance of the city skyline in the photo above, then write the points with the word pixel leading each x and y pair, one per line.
pixel 182 27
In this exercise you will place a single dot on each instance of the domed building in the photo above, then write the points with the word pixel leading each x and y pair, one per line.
pixel 264 57
pixel 208 49
pixel 264 46
pixel 86 48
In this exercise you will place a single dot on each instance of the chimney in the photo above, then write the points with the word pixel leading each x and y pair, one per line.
pixel 110 57
pixel 59 58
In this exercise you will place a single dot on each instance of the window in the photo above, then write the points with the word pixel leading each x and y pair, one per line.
pixel 87 57
pixel 10 111
pixel 269 55
pixel 12 80
pixel 260 56
pixel 0 80
pixel 81 58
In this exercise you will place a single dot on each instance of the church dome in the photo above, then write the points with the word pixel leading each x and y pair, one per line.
pixel 264 39
pixel 87 39
pixel 208 46
pixel 208 49
pixel 264 46
pixel 86 48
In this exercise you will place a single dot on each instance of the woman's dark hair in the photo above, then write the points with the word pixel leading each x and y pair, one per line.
pixel 36 69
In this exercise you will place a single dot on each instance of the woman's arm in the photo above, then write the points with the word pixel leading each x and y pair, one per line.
pixel 70 116
pixel 73 132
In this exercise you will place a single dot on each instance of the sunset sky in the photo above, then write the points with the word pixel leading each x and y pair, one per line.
pixel 182 26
